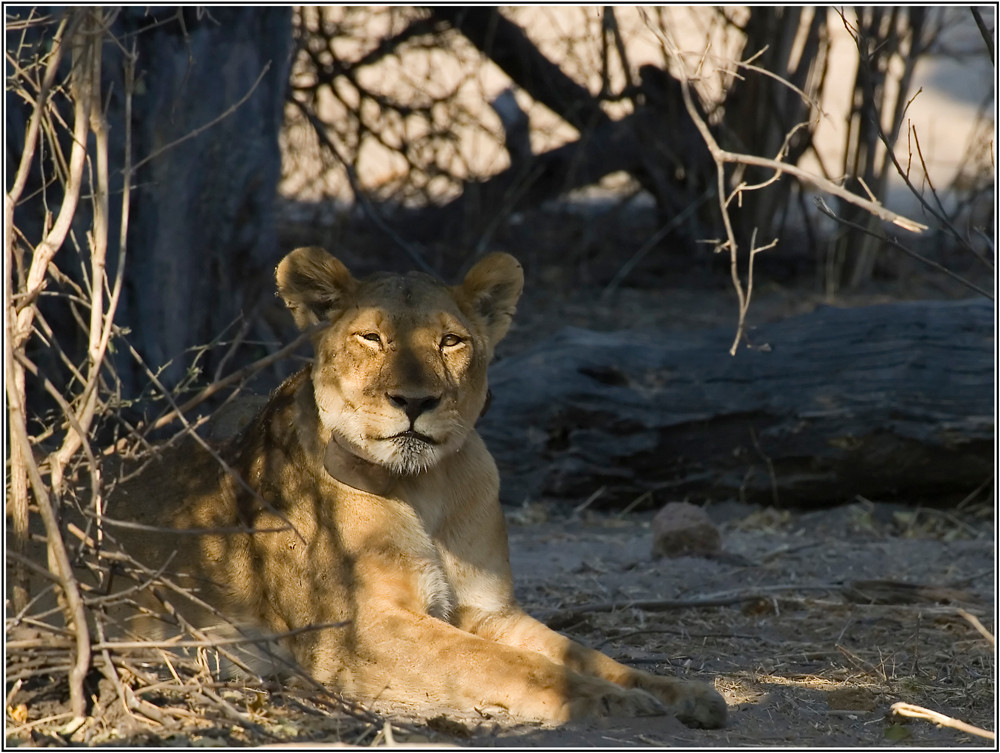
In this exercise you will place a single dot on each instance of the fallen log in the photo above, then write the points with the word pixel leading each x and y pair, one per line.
pixel 890 402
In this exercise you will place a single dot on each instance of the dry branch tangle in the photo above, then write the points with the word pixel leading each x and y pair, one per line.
pixel 892 401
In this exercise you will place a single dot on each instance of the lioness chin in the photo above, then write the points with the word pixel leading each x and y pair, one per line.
pixel 367 500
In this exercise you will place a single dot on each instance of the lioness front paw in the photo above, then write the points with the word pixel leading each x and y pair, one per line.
pixel 631 702
pixel 601 698
pixel 697 704
pixel 703 707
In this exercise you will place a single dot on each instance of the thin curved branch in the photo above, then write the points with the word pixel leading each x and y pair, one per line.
pixel 822 206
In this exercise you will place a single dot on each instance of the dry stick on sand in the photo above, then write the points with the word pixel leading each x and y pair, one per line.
pixel 974 621
pixel 739 596
pixel 919 712
pixel 723 599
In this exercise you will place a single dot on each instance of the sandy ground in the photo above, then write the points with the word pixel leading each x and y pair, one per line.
pixel 808 655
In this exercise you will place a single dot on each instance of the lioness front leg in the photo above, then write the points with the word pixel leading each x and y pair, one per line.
pixel 409 656
pixel 694 703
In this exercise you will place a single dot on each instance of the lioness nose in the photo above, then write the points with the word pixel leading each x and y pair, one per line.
pixel 414 406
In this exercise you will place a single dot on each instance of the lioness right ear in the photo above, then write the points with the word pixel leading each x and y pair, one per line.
pixel 491 289
pixel 313 284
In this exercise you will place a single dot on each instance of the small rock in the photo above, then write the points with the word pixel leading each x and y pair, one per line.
pixel 681 529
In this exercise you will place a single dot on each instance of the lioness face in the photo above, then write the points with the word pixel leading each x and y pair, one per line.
pixel 389 376
pixel 400 372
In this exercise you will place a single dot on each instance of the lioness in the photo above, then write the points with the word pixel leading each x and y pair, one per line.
pixel 375 507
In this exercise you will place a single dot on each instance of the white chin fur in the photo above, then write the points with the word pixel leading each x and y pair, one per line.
pixel 407 455
pixel 403 456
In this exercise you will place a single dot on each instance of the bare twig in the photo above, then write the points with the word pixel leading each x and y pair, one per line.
pixel 985 32
pixel 721 157
pixel 85 43
pixel 67 27
pixel 237 376
pixel 120 645
pixel 189 428
pixel 824 185
pixel 822 206
pixel 724 599
pixel 19 310
pixel 60 565
pixel 674 223
pixel 214 121
pixel 319 128
pixel 919 712
pixel 974 621
pixel 53 240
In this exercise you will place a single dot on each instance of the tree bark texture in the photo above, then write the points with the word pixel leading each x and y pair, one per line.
pixel 889 402
pixel 203 233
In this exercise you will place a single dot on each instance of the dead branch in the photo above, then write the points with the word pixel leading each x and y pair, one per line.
pixel 505 43
pixel 205 126
pixel 209 642
pixel 974 621
pixel 19 308
pixel 59 564
pixel 825 209
pixel 77 159
pixel 359 194
pixel 178 411
pixel 85 44
pixel 67 28
pixel 984 32
pixel 725 599
pixel 824 185
pixel 721 157
pixel 919 712
pixel 189 430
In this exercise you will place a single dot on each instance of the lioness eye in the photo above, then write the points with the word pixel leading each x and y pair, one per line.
pixel 450 341
pixel 372 337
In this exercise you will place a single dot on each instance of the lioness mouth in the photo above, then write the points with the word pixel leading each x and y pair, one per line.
pixel 411 434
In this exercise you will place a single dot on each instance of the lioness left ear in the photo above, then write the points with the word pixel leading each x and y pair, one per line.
pixel 313 284
pixel 491 290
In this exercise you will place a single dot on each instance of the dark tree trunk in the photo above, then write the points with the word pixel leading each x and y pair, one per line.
pixel 202 239
pixel 890 402
pixel 204 131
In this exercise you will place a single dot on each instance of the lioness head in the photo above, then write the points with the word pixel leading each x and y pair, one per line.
pixel 400 372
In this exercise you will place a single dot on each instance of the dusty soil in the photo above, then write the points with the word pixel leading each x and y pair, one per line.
pixel 804 653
